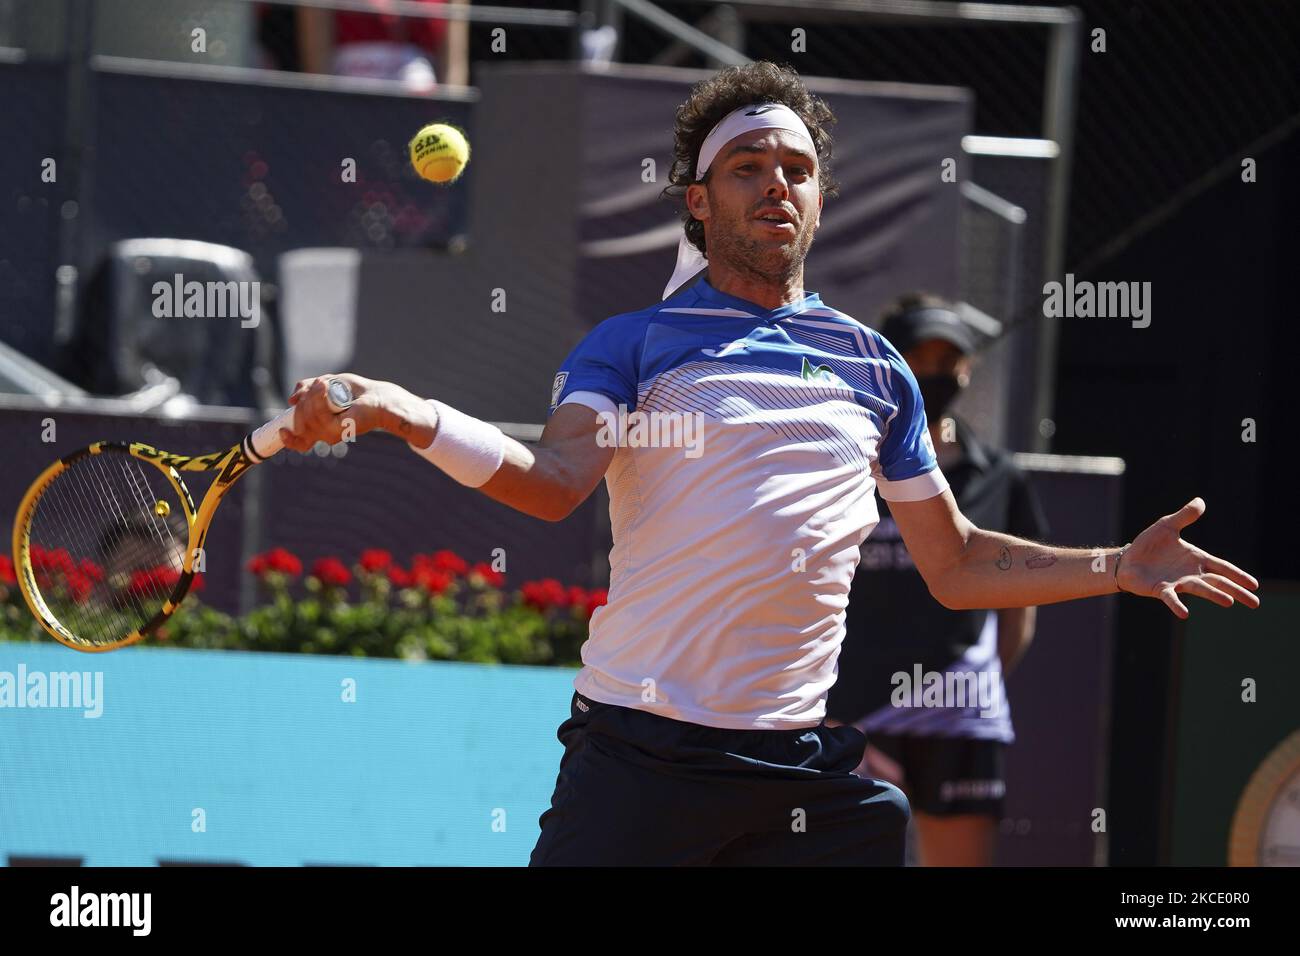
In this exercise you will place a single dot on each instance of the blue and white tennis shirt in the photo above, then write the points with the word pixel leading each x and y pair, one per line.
pixel 739 498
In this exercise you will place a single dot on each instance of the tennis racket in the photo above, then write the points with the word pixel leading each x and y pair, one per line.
pixel 106 539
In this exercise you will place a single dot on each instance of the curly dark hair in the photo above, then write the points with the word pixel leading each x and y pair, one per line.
pixel 729 89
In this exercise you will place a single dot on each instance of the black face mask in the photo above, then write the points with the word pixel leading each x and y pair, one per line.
pixel 938 391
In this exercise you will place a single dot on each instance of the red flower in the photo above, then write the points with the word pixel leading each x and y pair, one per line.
pixel 197 584
pixel 447 562
pixel 435 582
pixel 258 565
pixel 545 594
pixel 535 596
pixel 286 563
pixel 60 559
pixel 556 591
pixel 91 570
pixel 400 578
pixel 55 559
pixel 141 586
pixel 7 575
pixel 331 571
pixel 79 586
pixel 576 597
pixel 596 598
pixel 153 584
pixel 375 559
pixel 490 576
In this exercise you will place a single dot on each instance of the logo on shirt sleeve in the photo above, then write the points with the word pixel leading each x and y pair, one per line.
pixel 556 387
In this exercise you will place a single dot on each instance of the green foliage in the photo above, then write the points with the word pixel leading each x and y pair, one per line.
pixel 457 618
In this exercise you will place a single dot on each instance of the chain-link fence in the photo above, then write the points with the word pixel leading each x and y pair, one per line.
pixel 1173 91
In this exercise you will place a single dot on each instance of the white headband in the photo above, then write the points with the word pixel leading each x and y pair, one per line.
pixel 690 261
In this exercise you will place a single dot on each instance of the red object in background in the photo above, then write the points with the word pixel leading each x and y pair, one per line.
pixel 153 583
pixel 545 594
pixel 447 562
pixel 7 575
pixel 375 559
pixel 433 581
pixel 283 561
pixel 400 577
pixel 489 575
pixel 597 598
pixel 79 585
pixel 380 26
pixel 277 559
pixel 56 559
pixel 331 571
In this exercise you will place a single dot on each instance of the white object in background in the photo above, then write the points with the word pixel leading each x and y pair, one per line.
pixel 403 62
pixel 318 310
pixel 598 45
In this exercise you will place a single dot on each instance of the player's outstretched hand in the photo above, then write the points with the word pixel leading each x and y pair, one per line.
pixel 315 421
pixel 1160 564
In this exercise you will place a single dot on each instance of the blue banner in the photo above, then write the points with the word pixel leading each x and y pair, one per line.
pixel 149 755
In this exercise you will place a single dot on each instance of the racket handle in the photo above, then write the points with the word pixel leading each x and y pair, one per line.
pixel 264 442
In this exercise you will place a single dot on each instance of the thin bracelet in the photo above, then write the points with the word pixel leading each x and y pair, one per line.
pixel 1117 560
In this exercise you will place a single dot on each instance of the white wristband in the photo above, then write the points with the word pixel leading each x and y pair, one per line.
pixel 468 450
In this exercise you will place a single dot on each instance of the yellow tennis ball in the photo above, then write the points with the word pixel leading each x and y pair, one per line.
pixel 439 153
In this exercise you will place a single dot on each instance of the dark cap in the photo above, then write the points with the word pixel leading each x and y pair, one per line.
pixel 928 322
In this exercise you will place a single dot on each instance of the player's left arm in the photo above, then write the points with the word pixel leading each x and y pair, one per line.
pixel 967 567
pixel 1025 518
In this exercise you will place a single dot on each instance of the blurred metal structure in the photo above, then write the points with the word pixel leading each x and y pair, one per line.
pixel 19 375
pixel 123 342
pixel 991 233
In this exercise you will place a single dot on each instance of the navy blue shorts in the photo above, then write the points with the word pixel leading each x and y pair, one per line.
pixel 640 789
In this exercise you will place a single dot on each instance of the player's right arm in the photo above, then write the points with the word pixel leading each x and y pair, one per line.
pixel 547 480
pixel 552 478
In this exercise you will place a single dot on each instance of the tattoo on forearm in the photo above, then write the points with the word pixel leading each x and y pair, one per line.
pixel 1040 561
pixel 1004 558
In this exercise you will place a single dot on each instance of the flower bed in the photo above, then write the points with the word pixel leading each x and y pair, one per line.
pixel 436 607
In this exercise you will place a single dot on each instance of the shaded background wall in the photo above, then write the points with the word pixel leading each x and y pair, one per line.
pixel 1171 400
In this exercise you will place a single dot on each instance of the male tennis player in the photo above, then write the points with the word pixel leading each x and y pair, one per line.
pixel 696 735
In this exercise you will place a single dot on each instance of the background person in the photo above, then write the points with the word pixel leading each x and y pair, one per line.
pixel 949 760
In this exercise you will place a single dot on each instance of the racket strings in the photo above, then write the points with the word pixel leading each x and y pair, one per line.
pixel 64 505
pixel 145 591
pixel 136 550
pixel 108 541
